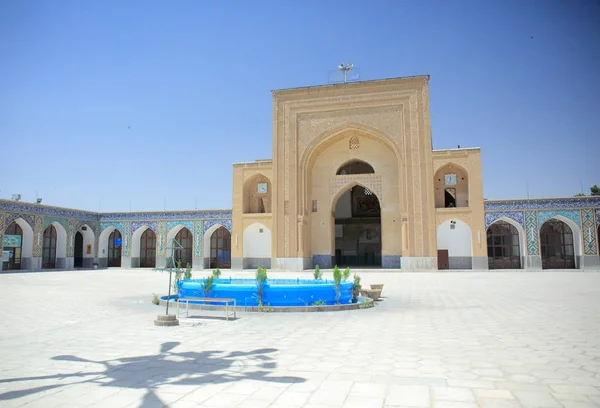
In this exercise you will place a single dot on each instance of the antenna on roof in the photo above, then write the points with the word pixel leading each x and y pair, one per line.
pixel 344 73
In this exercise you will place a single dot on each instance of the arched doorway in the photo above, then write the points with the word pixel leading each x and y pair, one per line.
pixel 220 249
pixel 148 249
pixel 186 239
pixel 78 250
pixel 557 245
pixel 115 242
pixel 504 251
pixel 13 243
pixel 49 248
pixel 357 228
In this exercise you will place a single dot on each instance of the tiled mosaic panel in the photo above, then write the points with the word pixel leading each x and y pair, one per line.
pixel 589 232
pixel 573 215
pixel 531 230
pixel 210 223
pixel 137 225
pixel 34 209
pixel 513 215
pixel 198 235
pixel 61 221
pixel 71 237
pixel 126 235
pixel 29 219
pixel 38 232
pixel 173 215
pixel 598 217
pixel 2 226
pixel 187 224
pixel 560 203
pixel 105 225
pixel 161 237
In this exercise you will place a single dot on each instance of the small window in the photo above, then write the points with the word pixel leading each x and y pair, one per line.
pixel 314 206
pixel 354 143
pixel 368 192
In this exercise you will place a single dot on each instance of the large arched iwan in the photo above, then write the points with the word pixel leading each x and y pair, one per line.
pixel 357 228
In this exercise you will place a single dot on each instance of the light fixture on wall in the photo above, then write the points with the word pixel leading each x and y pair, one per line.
pixel 39 200
pixel 452 224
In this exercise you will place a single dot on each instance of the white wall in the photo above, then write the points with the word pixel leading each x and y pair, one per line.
pixel 61 240
pixel 88 239
pixel 457 240
pixel 257 244
pixel 27 239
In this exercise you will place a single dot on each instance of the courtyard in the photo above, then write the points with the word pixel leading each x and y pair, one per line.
pixel 442 339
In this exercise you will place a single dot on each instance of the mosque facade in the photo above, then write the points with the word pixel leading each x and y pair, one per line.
pixel 353 181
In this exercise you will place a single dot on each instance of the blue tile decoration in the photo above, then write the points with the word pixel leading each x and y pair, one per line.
pixel 161 237
pixel 324 261
pixel 29 219
pixel 391 261
pixel 126 235
pixel 138 224
pixel 531 222
pixel 38 209
pixel 210 223
pixel 187 224
pixel 116 225
pixel 61 221
pixel 198 236
pixel 167 215
pixel 598 217
pixel 573 215
pixel 590 246
pixel 518 216
pixel 542 203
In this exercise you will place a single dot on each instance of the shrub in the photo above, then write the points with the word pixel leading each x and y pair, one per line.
pixel 356 287
pixel 261 277
pixel 346 273
pixel 188 272
pixel 337 278
pixel 207 285
pixel 318 274
pixel 216 273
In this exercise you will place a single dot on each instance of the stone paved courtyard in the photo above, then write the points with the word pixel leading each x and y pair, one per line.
pixel 444 340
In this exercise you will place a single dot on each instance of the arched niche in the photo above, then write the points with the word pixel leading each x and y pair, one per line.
pixel 560 243
pixel 257 195
pixel 451 186
pixel 454 239
pixel 186 239
pixel 54 246
pixel 355 166
pixel 506 244
pixel 26 248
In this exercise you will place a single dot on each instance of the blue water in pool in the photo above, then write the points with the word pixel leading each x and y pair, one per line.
pixel 277 292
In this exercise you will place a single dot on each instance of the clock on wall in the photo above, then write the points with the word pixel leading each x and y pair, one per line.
pixel 450 179
pixel 262 188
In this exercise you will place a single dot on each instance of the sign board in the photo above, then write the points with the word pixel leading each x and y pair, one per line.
pixel 88 249
pixel 12 241
pixel 118 242
pixel 6 255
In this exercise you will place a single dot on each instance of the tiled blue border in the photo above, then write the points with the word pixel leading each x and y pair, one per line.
pixel 542 203
pixel 490 217
pixel 573 215
pixel 154 216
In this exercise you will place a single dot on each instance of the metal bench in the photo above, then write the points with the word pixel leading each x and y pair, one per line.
pixel 225 301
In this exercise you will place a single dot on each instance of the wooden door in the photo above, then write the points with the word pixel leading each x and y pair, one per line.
pixel 443 259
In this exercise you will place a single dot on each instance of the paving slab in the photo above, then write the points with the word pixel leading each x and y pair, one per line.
pixel 484 339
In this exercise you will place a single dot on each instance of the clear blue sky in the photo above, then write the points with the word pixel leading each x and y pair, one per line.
pixel 193 80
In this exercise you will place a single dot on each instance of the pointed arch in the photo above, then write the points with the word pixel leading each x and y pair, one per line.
pixel 26 249
pixel 454 236
pixel 560 247
pixel 451 186
pixel 506 245
pixel 217 247
pixel 257 194
pixel 355 166
pixel 185 238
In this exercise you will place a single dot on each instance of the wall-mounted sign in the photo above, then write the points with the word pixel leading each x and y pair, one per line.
pixel 88 249
pixel 12 241
pixel 118 242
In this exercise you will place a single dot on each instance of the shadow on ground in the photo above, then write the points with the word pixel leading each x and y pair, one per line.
pixel 165 368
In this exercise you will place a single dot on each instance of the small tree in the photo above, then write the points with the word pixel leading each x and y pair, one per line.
pixel 261 278
pixel 188 272
pixel 207 285
pixel 595 190
pixel 346 273
pixel 337 278
pixel 318 274
pixel 178 275
pixel 216 273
